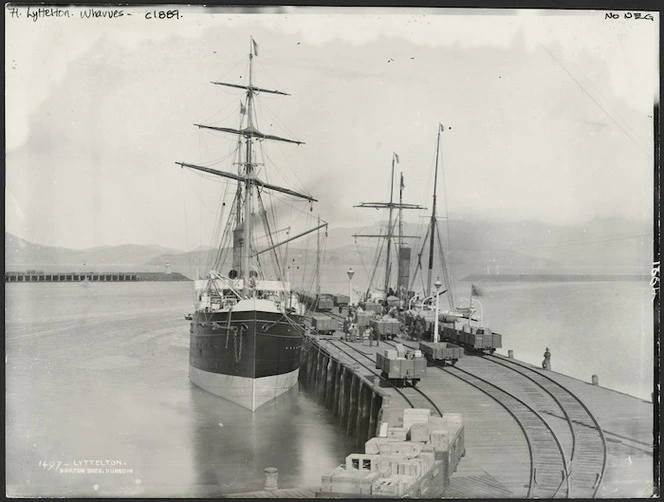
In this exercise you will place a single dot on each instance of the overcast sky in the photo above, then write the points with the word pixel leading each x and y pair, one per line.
pixel 548 115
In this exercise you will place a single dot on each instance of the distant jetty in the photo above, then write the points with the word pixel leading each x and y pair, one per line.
pixel 39 276
pixel 554 277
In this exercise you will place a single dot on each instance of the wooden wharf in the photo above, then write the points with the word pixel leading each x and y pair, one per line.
pixel 529 433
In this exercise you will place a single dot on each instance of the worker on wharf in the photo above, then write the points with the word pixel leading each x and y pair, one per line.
pixel 346 327
pixel 546 364
pixel 372 335
pixel 354 332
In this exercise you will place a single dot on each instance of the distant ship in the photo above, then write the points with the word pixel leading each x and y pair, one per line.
pixel 247 328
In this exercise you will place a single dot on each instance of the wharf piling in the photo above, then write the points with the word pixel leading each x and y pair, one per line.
pixel 357 402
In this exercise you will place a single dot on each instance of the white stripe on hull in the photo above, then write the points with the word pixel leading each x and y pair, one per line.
pixel 248 392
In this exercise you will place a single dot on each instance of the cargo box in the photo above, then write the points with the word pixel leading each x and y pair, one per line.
pixel 356 482
pixel 399 433
pixel 361 462
pixel 372 446
pixel 419 432
pixel 400 448
pixel 415 416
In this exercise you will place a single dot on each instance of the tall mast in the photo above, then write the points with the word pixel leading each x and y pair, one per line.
pixel 389 230
pixel 400 240
pixel 433 229
pixel 318 260
pixel 246 249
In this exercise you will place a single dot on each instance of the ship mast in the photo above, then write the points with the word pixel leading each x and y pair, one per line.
pixel 388 236
pixel 433 234
pixel 247 179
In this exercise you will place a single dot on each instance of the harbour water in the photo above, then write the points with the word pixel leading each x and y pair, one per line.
pixel 99 403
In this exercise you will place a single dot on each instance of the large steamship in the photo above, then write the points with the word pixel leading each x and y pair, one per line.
pixel 246 330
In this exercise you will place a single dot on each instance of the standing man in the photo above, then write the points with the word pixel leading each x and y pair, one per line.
pixel 546 364
pixel 346 327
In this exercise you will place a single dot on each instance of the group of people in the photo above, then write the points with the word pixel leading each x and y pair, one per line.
pixel 352 332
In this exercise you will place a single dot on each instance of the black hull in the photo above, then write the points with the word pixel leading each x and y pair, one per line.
pixel 252 345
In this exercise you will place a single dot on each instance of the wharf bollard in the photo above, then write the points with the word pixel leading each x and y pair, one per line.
pixel 595 380
pixel 510 354
pixel 271 478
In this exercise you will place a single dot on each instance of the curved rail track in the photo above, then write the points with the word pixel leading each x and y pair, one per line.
pixel 548 464
pixel 413 396
pixel 588 456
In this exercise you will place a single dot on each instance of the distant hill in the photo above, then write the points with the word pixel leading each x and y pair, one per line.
pixel 20 252
pixel 601 246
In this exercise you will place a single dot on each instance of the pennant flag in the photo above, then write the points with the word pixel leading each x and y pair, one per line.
pixel 396 157
pixel 474 291
pixel 243 110
pixel 255 46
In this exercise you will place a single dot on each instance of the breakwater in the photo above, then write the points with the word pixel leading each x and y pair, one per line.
pixel 553 277
pixel 359 404
pixel 38 276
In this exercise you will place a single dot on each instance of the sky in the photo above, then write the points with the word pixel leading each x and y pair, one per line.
pixel 547 116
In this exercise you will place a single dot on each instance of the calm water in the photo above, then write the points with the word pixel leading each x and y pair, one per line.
pixel 98 373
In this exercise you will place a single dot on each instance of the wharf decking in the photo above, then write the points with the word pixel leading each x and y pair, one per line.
pixel 618 462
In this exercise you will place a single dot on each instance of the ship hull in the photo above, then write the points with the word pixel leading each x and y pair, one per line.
pixel 248 357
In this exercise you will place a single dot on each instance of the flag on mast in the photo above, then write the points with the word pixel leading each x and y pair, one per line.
pixel 255 46
pixel 396 157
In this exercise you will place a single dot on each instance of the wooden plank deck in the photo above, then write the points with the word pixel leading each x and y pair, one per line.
pixel 497 463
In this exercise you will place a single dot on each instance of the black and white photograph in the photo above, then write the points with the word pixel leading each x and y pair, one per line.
pixel 331 252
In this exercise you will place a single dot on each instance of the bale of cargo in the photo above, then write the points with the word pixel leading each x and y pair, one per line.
pixel 411 466
pixel 402 448
pixel 388 487
pixel 353 482
pixel 399 433
pixel 415 416
pixel 419 432
pixel 372 446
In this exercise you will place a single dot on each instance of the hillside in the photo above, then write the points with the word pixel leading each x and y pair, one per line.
pixel 602 246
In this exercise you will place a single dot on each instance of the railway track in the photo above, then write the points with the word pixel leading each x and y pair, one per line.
pixel 413 396
pixel 548 463
pixel 588 456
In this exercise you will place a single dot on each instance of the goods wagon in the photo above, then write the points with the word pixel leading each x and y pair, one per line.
pixel 474 338
pixel 444 352
pixel 386 328
pixel 401 367
pixel 324 324
pixel 341 300
pixel 320 303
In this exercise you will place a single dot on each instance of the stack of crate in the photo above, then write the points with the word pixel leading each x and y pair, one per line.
pixel 416 458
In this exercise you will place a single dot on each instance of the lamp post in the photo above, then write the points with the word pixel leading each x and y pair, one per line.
pixel 436 337
pixel 350 274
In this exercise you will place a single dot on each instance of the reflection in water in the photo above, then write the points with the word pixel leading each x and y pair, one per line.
pixel 232 446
